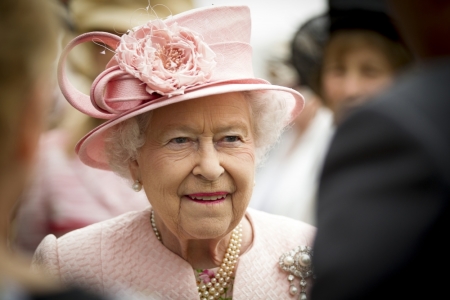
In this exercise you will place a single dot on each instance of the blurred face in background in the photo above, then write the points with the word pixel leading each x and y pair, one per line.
pixel 355 66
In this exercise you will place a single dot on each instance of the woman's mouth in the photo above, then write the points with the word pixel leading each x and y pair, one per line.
pixel 208 197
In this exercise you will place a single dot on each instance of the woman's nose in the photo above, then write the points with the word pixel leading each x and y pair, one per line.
pixel 353 87
pixel 208 165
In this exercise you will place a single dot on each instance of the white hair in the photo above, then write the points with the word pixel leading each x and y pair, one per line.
pixel 270 115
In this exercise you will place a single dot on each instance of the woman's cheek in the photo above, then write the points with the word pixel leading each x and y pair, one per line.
pixel 243 154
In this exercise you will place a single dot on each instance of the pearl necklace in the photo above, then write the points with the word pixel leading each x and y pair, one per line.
pixel 216 287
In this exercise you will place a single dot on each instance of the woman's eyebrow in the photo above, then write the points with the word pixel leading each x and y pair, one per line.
pixel 239 126
pixel 229 126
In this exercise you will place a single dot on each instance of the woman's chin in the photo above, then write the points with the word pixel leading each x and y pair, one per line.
pixel 213 233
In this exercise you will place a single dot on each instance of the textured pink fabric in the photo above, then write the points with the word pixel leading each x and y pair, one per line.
pixel 117 96
pixel 123 253
pixel 65 194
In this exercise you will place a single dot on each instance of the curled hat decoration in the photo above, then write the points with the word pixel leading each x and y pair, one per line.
pixel 198 53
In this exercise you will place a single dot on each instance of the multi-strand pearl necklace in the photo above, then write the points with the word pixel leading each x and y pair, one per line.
pixel 218 284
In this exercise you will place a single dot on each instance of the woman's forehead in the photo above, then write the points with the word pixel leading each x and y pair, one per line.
pixel 346 41
pixel 220 111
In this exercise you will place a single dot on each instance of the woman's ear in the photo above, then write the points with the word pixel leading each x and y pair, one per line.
pixel 133 166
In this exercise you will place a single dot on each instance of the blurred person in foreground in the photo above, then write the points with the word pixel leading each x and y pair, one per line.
pixel 383 208
pixel 29 30
pixel 65 194
pixel 188 123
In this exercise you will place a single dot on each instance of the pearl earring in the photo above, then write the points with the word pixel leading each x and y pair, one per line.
pixel 137 185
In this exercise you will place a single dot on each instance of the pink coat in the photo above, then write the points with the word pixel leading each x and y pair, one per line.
pixel 123 254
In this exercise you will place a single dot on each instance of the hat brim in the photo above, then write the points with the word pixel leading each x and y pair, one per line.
pixel 91 148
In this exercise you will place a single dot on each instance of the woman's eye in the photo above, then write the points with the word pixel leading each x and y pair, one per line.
pixel 334 70
pixel 231 139
pixel 179 140
pixel 371 73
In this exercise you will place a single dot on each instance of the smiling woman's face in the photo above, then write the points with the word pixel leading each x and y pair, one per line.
pixel 197 165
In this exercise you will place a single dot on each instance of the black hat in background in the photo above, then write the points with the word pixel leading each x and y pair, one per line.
pixel 367 5
pixel 362 14
pixel 307 46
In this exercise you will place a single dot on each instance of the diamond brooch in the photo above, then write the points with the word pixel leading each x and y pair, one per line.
pixel 298 263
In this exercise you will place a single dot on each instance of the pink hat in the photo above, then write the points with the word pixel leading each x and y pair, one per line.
pixel 198 53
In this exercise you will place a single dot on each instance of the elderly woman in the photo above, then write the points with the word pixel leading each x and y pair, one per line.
pixel 189 124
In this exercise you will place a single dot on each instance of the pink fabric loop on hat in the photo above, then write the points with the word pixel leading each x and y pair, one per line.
pixel 115 91
pixel 77 99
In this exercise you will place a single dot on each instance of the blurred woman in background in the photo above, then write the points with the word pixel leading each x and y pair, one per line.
pixel 341 57
pixel 363 55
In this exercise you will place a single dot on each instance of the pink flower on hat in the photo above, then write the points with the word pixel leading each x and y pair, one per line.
pixel 167 58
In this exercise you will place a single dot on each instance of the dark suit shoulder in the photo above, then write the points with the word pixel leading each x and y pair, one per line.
pixel 417 107
pixel 385 183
